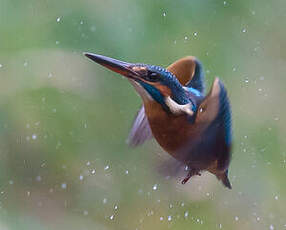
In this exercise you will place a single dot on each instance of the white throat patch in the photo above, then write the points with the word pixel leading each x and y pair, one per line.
pixel 178 109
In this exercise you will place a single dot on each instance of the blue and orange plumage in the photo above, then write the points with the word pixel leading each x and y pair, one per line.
pixel 195 129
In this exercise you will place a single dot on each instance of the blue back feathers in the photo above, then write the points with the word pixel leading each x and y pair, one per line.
pixel 225 114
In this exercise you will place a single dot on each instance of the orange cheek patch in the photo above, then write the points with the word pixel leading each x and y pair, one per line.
pixel 165 91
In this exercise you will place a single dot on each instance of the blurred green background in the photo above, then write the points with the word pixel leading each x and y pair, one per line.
pixel 64 163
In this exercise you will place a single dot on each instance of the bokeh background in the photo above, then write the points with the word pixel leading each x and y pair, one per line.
pixel 64 163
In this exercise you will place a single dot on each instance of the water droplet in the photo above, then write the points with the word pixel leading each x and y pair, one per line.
pixel 88 163
pixel 155 186
pixel 236 218
pixel 106 167
pixel 81 22
pixel 161 218
pixel 195 34
pixel 271 227
pixel 85 212
pixel 81 177
pixel 58 19
pixel 25 64
pixel 64 185
pixel 57 42
pixel 126 172
pixel 276 197
pixel 164 14
pixel 104 200
pixel 243 30
pixel 224 2
pixel 115 207
pixel 169 218
pixel 93 172
pixel 186 38
pixel 186 214
pixel 111 217
pixel 34 136
pixel 1 65
pixel 11 182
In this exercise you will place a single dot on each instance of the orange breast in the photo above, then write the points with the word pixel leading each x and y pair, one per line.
pixel 171 132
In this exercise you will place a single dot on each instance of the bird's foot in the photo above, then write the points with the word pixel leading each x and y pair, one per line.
pixel 192 172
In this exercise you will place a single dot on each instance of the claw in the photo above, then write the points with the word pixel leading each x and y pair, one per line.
pixel 192 172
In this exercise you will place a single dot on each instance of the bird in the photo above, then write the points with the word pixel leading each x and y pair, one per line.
pixel 193 127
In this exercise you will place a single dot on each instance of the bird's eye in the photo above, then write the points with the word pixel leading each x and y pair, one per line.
pixel 152 76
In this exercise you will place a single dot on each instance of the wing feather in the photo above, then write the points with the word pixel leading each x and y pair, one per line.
pixel 140 131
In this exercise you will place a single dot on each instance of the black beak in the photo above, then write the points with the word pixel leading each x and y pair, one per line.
pixel 117 66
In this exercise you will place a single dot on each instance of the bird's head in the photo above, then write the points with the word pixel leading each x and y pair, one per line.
pixel 152 83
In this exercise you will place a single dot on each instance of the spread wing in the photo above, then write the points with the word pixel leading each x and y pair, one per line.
pixel 189 72
pixel 214 113
pixel 140 131
pixel 216 108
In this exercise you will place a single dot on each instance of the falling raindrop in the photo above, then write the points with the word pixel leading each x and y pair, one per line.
pixel 64 185
pixel 155 186
pixel 186 214
pixel 85 212
pixel 106 167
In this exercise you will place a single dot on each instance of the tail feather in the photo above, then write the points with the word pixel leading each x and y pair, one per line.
pixel 224 179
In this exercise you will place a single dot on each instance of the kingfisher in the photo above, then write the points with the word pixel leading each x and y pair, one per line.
pixel 192 127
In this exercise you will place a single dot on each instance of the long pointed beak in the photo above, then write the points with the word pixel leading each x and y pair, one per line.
pixel 117 66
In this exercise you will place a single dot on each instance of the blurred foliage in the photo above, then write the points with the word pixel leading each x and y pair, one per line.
pixel 64 163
